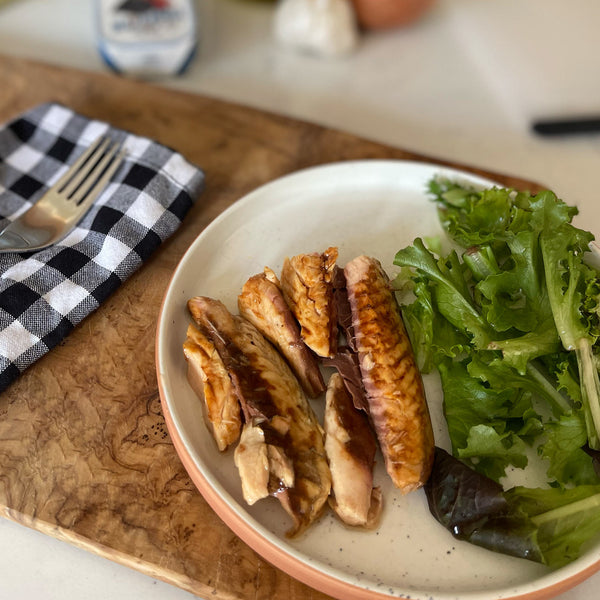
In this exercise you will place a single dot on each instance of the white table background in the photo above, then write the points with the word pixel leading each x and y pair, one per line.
pixel 463 84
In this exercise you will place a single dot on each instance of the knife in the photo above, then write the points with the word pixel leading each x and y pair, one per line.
pixel 567 126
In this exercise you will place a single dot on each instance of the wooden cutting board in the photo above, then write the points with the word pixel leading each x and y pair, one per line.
pixel 84 452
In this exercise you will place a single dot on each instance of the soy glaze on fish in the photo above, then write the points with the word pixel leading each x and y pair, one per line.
pixel 350 445
pixel 262 303
pixel 272 401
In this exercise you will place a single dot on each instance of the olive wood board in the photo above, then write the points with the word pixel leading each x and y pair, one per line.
pixel 85 455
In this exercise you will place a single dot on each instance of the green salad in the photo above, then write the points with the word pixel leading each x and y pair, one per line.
pixel 510 319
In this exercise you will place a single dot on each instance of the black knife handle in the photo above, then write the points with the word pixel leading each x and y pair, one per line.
pixel 567 126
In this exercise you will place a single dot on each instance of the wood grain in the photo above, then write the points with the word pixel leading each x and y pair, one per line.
pixel 84 451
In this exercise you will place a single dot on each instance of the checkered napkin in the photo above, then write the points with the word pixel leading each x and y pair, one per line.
pixel 44 294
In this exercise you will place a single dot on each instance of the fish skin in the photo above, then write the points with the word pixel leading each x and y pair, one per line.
pixel 392 381
pixel 346 364
pixel 272 399
pixel 262 303
pixel 307 286
pixel 209 379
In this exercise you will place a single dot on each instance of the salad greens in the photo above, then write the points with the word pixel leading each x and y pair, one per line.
pixel 510 319
pixel 549 526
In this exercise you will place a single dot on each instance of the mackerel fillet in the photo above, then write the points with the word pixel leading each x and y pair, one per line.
pixel 281 451
pixel 392 381
pixel 307 286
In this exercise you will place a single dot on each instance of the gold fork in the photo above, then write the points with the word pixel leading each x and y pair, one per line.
pixel 65 203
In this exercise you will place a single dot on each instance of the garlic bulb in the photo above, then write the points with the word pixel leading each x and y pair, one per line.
pixel 324 27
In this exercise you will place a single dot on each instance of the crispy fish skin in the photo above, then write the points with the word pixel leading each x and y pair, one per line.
pixel 350 446
pixel 262 303
pixel 307 285
pixel 209 379
pixel 271 399
pixel 392 380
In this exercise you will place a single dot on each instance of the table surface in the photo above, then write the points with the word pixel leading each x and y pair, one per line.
pixel 464 85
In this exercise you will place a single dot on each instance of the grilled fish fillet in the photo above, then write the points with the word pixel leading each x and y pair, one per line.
pixel 264 468
pixel 392 381
pixel 209 379
pixel 262 303
pixel 272 400
pixel 350 446
pixel 306 282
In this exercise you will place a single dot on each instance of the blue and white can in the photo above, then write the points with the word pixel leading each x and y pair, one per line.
pixel 147 38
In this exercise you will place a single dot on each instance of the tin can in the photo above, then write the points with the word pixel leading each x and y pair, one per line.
pixel 147 38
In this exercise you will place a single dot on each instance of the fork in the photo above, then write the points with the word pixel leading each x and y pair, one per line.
pixel 64 204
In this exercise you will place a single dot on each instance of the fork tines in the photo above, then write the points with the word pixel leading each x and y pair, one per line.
pixel 94 168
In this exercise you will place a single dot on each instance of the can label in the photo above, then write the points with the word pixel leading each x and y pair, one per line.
pixel 134 21
pixel 147 37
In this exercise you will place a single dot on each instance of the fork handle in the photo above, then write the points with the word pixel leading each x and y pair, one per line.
pixel 11 241
pixel 16 238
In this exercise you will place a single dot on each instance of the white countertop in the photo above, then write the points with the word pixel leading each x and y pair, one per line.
pixel 462 84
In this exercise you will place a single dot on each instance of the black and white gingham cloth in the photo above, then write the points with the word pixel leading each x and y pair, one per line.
pixel 44 294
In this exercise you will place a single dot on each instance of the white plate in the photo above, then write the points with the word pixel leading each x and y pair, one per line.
pixel 363 207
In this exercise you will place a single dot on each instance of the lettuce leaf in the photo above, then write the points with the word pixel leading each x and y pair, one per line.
pixel 449 290
pixel 512 326
pixel 552 526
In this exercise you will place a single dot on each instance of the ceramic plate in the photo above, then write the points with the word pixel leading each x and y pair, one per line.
pixel 364 207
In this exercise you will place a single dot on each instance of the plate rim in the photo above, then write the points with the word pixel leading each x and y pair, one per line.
pixel 281 558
